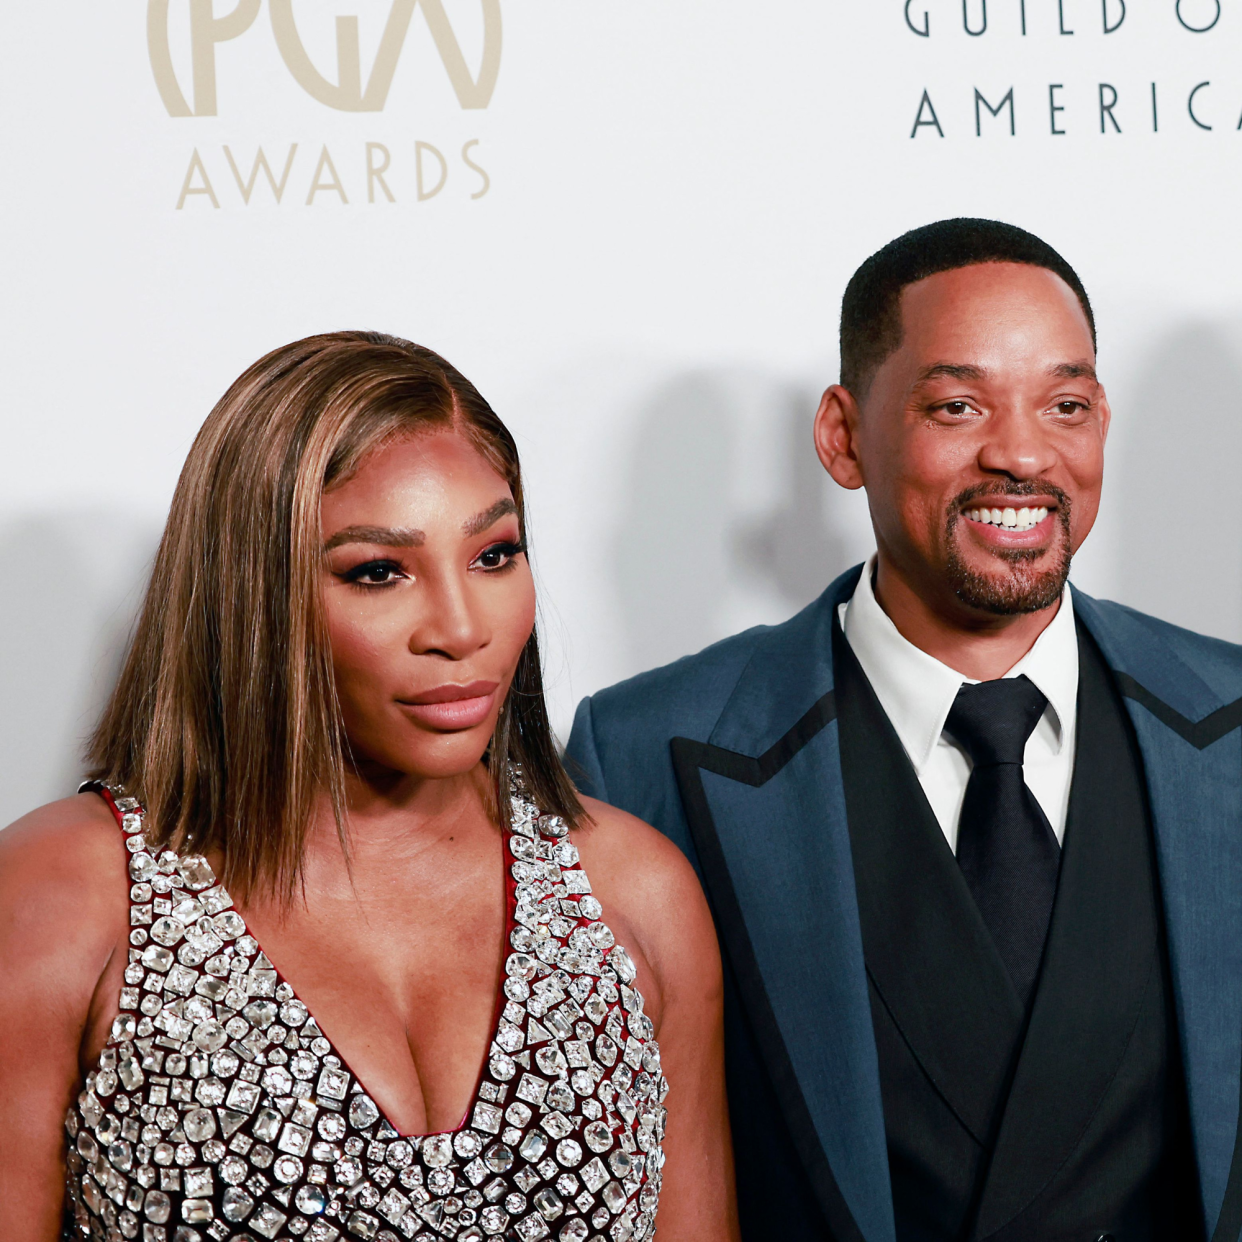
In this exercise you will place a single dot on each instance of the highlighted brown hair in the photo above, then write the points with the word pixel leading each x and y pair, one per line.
pixel 224 720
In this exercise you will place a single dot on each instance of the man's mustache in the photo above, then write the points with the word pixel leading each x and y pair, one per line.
pixel 966 498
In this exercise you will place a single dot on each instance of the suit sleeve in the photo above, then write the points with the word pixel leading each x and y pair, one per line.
pixel 581 756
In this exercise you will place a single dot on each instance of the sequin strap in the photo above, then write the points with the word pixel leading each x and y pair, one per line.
pixel 128 811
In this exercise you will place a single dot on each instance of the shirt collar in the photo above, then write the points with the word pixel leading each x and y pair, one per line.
pixel 917 691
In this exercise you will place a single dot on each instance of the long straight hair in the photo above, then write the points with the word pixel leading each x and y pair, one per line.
pixel 225 721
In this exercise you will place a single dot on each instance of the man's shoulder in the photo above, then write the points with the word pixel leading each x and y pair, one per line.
pixel 694 687
pixel 1140 642
pixel 686 698
pixel 619 749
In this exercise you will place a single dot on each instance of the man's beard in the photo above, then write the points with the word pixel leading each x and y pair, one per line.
pixel 1021 588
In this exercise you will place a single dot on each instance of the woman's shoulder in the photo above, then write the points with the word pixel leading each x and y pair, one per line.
pixel 63 878
pixel 638 872
pixel 627 845
pixel 77 832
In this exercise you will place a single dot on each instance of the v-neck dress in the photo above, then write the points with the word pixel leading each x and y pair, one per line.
pixel 220 1111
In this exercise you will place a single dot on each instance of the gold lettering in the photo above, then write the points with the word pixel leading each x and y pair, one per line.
pixel 419 148
pixel 161 59
pixel 325 162
pixel 260 162
pixel 471 92
pixel 487 181
pixel 206 30
pixel 377 174
pixel 188 187
pixel 347 94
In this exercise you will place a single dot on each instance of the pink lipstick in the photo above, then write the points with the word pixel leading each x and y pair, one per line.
pixel 452 708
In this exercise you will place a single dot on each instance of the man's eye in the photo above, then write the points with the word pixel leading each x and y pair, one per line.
pixel 956 408
pixel 1070 407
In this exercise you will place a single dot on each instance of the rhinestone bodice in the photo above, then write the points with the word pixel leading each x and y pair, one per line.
pixel 220 1111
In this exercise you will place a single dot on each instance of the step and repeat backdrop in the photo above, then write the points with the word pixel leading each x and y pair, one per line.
pixel 630 223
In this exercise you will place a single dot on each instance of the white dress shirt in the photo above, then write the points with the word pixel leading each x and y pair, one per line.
pixel 916 691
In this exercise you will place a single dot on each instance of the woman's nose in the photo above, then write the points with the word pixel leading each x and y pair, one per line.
pixel 450 624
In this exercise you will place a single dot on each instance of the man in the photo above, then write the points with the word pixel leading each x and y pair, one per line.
pixel 973 840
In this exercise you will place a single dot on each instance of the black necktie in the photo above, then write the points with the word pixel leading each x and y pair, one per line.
pixel 1005 845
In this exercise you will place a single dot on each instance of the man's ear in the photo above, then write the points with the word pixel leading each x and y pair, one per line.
pixel 836 426
pixel 1106 415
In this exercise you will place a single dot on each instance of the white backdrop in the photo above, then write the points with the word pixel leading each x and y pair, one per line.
pixel 630 224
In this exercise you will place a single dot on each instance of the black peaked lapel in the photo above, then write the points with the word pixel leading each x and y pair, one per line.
pixel 764 802
pixel 1101 960
pixel 928 952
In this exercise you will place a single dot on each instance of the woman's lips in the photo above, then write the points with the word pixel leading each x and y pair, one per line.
pixel 451 708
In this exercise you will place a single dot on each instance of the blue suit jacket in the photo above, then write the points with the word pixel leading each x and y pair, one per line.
pixel 733 753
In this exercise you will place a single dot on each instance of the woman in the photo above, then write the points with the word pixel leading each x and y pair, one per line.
pixel 327 891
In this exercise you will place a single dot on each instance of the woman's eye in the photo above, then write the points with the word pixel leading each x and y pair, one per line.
pixel 497 556
pixel 374 573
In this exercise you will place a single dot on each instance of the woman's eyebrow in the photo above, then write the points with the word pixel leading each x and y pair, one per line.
pixel 386 536
pixel 481 521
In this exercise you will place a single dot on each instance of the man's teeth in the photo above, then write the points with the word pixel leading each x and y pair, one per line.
pixel 1010 519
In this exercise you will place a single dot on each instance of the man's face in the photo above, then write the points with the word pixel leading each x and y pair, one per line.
pixel 981 439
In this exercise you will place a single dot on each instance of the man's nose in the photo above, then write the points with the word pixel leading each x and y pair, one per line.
pixel 1017 444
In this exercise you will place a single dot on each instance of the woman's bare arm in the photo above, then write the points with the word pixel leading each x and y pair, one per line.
pixel 63 936
pixel 654 904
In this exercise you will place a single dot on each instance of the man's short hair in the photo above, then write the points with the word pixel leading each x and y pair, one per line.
pixel 871 309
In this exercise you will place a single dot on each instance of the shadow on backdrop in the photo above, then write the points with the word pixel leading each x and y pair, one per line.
pixel 686 547
pixel 1180 555
pixel 73 585
pixel 792 548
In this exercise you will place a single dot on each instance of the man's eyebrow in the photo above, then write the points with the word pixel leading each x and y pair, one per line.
pixel 949 370
pixel 386 536
pixel 481 521
pixel 1072 370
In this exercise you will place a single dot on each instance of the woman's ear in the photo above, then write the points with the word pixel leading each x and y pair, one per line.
pixel 835 431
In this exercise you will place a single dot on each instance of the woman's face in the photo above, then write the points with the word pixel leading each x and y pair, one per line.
pixel 429 603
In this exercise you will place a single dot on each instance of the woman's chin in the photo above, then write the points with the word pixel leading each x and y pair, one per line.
pixel 439 757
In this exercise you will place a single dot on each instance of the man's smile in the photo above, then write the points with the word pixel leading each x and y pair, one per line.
pixel 1009 518
pixel 1021 520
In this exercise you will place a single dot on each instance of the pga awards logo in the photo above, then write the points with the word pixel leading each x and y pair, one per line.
pixel 368 174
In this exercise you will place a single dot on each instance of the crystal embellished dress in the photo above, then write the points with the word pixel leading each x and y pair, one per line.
pixel 219 1110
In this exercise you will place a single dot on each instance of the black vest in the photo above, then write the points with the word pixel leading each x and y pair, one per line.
pixel 1061 1129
